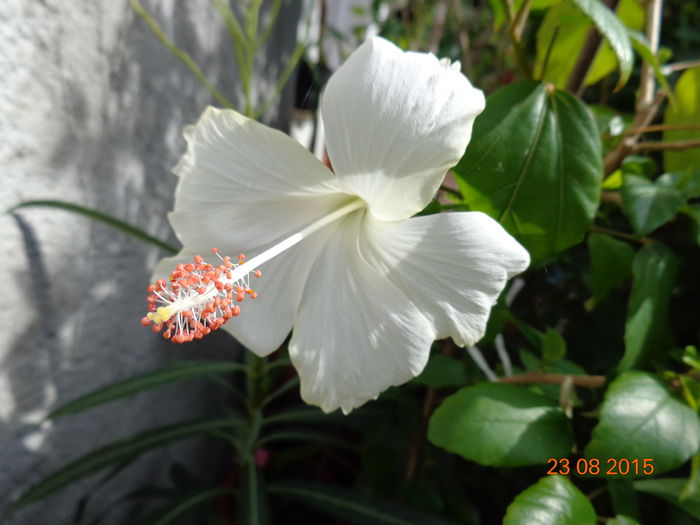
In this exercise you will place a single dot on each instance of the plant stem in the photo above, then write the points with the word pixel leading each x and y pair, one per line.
pixel 621 235
pixel 645 97
pixel 672 145
pixel 533 378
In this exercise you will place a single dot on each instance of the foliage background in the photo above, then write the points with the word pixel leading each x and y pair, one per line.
pixel 597 340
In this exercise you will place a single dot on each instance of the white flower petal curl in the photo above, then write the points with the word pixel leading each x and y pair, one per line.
pixel 244 185
pixel 395 122
pixel 453 266
pixel 356 334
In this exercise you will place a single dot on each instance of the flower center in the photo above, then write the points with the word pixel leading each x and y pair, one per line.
pixel 200 296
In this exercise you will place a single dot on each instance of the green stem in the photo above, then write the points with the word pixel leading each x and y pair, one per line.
pixel 179 53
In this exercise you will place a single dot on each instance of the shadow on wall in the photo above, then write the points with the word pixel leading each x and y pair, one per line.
pixel 121 127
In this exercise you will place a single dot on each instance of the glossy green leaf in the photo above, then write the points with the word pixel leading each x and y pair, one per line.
pixel 442 371
pixel 648 204
pixel 167 514
pixel 172 373
pixel 501 425
pixel 670 490
pixel 611 264
pixel 640 419
pixel 571 29
pixel 647 332
pixel 553 346
pixel 553 500
pixel 122 450
pixel 354 506
pixel 534 164
pixel 685 112
pixel 115 223
pixel 614 31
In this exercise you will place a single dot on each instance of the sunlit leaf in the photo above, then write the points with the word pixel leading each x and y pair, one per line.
pixel 685 112
pixel 571 31
pixel 501 425
pixel 534 164
pixel 553 500
pixel 647 332
pixel 640 419
pixel 96 215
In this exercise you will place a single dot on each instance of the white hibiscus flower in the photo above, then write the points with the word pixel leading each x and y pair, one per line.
pixel 365 287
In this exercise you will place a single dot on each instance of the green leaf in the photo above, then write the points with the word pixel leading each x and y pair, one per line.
pixel 686 182
pixel 553 346
pixel 501 425
pixel 670 489
pixel 685 112
pixel 639 165
pixel 167 514
pixel 354 506
pixel 693 212
pixel 534 165
pixel 120 451
pixel 641 46
pixel 253 508
pixel 115 223
pixel 571 29
pixel 553 500
pixel 640 419
pixel 647 333
pixel 647 204
pixel 172 373
pixel 614 31
pixel 442 371
pixel 611 264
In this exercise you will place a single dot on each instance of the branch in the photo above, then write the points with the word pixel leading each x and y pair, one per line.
pixel 653 29
pixel 671 145
pixel 530 378
pixel 642 119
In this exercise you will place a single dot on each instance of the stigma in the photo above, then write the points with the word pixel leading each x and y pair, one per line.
pixel 199 297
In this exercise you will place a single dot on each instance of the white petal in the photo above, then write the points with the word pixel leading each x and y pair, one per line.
pixel 244 185
pixel 453 266
pixel 356 333
pixel 395 122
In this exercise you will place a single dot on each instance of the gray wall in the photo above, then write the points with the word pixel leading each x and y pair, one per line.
pixel 91 111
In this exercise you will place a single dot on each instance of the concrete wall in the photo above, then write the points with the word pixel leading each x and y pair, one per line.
pixel 91 111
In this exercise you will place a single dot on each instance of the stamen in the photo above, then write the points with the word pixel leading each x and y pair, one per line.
pixel 198 298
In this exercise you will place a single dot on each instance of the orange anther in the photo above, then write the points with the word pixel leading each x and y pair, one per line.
pixel 145 321
pixel 253 295
pixel 257 273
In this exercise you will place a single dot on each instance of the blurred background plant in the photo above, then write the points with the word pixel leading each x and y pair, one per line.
pixel 588 154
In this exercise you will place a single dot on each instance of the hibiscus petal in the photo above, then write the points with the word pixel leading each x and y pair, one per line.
pixel 453 266
pixel 395 122
pixel 356 333
pixel 244 185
